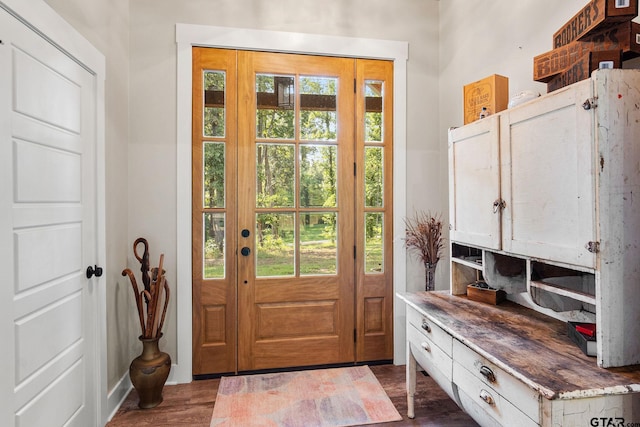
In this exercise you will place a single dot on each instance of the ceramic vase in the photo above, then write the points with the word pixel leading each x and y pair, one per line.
pixel 149 372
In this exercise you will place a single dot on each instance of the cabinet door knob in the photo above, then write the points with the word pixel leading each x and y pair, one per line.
pixel 426 347
pixel 484 395
pixel 426 326
pixel 488 374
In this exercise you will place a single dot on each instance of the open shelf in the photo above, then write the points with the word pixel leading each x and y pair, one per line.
pixel 471 262
pixel 565 292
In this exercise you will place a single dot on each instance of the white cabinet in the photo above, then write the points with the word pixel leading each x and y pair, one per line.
pixel 548 163
pixel 548 191
pixel 523 181
pixel 474 183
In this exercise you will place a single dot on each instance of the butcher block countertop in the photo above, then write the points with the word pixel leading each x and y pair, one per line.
pixel 530 346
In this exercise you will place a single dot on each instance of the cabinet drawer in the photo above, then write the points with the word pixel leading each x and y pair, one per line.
pixel 430 330
pixel 513 390
pixel 432 359
pixel 484 404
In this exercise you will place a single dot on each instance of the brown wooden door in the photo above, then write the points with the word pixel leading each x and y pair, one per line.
pixel 292 212
pixel 295 290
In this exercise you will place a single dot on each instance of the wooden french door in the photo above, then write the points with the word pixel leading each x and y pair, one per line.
pixel 291 211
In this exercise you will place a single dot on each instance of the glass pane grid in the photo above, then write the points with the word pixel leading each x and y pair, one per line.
pixel 296 182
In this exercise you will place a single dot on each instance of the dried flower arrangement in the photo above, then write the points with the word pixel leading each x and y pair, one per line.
pixel 424 237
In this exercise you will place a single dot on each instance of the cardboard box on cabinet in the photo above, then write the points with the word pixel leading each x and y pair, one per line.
pixel 491 92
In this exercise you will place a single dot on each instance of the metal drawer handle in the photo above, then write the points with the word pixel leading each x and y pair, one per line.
pixel 484 395
pixel 488 374
pixel 426 326
pixel 425 347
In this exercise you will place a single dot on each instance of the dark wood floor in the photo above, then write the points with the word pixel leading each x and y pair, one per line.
pixel 192 404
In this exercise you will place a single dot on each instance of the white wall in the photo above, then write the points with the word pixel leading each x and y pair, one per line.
pixel 487 37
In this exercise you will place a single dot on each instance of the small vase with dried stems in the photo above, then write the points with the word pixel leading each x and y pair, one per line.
pixel 424 238
pixel 150 370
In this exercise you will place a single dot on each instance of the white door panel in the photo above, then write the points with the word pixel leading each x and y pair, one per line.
pixel 33 79
pixel 48 230
pixel 44 174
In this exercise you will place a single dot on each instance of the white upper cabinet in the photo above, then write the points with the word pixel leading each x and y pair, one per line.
pixel 474 183
pixel 547 155
pixel 522 181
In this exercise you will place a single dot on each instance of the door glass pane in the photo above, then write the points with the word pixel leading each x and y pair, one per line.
pixel 213 171
pixel 275 243
pixel 275 175
pixel 214 98
pixel 373 92
pixel 374 242
pixel 318 180
pixel 214 246
pixel 373 177
pixel 275 98
pixel 318 112
pixel 318 243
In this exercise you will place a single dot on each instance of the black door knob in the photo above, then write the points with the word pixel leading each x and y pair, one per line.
pixel 94 271
pixel 245 232
pixel 245 251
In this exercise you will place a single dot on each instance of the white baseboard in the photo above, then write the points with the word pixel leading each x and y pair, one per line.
pixel 174 376
pixel 118 395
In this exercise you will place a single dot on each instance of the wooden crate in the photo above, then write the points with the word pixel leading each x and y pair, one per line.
pixel 490 295
pixel 624 37
pixel 491 92
pixel 595 15
pixel 584 66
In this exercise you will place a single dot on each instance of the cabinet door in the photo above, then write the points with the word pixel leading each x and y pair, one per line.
pixel 548 180
pixel 474 183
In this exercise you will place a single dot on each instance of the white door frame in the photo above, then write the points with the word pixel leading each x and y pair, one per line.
pixel 40 17
pixel 187 36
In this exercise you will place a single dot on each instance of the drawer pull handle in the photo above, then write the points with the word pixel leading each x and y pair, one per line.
pixel 426 326
pixel 484 395
pixel 425 347
pixel 488 374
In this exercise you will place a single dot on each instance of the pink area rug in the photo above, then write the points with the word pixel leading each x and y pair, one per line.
pixel 314 398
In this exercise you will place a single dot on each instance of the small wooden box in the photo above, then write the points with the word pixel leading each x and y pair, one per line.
pixel 491 92
pixel 488 295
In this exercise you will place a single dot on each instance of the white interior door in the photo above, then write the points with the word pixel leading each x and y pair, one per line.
pixel 47 233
